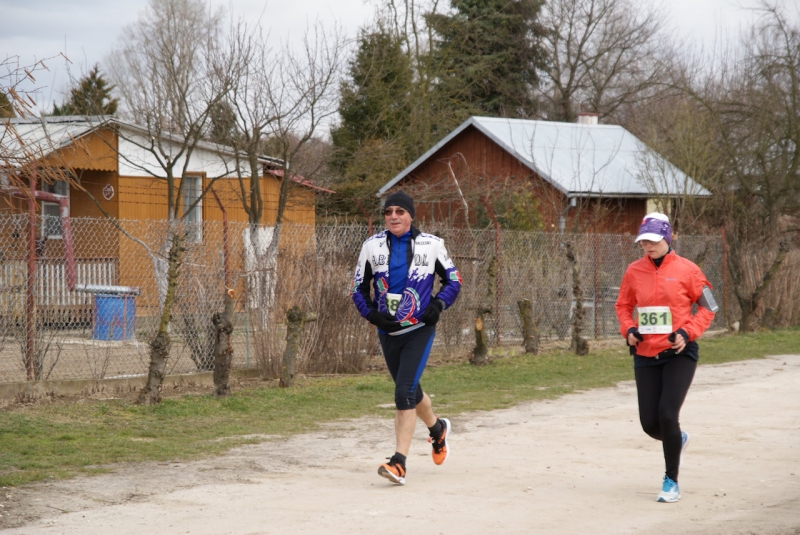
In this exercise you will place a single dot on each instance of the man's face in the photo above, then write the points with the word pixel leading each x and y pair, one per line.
pixel 654 249
pixel 398 220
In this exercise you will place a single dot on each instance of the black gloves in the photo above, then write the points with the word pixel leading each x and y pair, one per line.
pixel 635 332
pixel 384 321
pixel 389 324
pixel 431 314
pixel 681 332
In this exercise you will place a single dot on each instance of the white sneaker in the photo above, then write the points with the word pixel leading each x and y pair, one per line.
pixel 670 493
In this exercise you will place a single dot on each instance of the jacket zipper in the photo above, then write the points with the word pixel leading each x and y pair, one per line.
pixel 389 256
pixel 655 288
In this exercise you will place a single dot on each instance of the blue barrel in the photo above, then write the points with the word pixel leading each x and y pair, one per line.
pixel 114 317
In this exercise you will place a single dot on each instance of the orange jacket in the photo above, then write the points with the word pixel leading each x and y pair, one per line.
pixel 677 283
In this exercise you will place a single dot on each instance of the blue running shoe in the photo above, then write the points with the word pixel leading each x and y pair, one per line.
pixel 670 493
pixel 684 443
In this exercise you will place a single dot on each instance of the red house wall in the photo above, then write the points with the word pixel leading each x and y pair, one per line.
pixel 483 169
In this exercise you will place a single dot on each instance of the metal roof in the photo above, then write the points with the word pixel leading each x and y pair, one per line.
pixel 33 138
pixel 580 160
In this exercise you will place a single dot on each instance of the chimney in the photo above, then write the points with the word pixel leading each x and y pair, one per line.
pixel 586 117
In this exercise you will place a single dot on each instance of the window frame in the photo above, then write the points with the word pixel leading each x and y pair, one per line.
pixel 60 187
pixel 191 190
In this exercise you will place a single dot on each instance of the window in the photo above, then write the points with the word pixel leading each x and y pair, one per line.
pixel 192 189
pixel 51 213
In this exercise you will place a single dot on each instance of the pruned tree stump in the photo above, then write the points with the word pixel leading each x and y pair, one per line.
pixel 480 354
pixel 223 350
pixel 530 331
pixel 579 345
pixel 295 320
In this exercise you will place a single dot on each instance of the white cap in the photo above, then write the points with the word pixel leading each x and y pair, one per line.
pixel 646 232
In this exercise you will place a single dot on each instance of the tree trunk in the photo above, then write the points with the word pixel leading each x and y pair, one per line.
pixel 480 354
pixel 160 344
pixel 579 345
pixel 749 303
pixel 530 331
pixel 295 320
pixel 223 352
pixel 747 315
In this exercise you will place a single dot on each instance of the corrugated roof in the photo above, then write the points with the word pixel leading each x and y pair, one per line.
pixel 41 136
pixel 578 159
pixel 33 138
pixel 278 173
pixel 24 139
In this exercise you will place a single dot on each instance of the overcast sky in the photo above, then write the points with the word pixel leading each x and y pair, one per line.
pixel 86 30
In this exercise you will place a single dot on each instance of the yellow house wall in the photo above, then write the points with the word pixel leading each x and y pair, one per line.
pixel 145 199
pixel 96 151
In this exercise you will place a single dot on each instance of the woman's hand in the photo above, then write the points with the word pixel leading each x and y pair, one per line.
pixel 678 341
pixel 633 337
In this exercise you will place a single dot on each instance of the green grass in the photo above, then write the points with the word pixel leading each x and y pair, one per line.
pixel 85 437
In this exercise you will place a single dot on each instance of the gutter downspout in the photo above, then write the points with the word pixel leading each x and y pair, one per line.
pixel 562 218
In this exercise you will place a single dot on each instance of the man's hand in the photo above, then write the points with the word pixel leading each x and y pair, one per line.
pixel 432 312
pixel 384 321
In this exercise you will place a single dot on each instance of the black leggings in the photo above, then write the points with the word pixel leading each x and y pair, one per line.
pixel 661 390
pixel 406 356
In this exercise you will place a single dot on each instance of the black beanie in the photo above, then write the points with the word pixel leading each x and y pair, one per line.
pixel 400 199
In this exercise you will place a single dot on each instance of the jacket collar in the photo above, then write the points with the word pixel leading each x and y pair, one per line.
pixel 667 258
pixel 414 233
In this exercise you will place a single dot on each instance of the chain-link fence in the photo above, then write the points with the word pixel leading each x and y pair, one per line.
pixel 100 326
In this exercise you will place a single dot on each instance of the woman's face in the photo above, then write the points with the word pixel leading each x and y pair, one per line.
pixel 654 249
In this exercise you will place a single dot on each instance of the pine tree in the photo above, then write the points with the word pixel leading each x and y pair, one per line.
pixel 223 124
pixel 6 109
pixel 371 140
pixel 91 96
pixel 488 52
pixel 374 101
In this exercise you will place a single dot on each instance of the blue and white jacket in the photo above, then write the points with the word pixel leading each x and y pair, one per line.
pixel 427 257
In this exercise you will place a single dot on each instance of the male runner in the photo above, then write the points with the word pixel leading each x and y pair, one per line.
pixel 400 264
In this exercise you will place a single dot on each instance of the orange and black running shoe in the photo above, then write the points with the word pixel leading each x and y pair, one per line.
pixel 440 449
pixel 393 471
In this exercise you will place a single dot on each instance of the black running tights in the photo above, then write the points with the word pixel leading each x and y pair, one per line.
pixel 661 391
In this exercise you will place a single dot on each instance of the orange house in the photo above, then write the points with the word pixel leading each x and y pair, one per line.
pixel 114 174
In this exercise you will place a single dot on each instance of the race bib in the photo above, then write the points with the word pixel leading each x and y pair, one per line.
pixel 655 320
pixel 392 302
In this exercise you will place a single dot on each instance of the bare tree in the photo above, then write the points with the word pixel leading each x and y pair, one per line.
pixel 677 132
pixel 23 175
pixel 603 55
pixel 16 100
pixel 171 71
pixel 279 100
pixel 749 97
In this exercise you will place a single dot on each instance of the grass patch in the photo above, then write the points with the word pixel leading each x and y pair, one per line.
pixel 87 437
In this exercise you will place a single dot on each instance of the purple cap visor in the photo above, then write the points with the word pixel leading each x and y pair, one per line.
pixel 655 230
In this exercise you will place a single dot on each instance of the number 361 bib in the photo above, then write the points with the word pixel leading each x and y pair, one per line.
pixel 655 320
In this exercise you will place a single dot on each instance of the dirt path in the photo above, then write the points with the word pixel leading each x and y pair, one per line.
pixel 579 464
